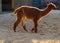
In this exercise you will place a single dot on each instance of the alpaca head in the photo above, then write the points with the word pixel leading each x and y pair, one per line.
pixel 51 5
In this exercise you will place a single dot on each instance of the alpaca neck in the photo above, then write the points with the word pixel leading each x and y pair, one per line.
pixel 47 10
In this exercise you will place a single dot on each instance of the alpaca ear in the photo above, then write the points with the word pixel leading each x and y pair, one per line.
pixel 52 2
pixel 47 3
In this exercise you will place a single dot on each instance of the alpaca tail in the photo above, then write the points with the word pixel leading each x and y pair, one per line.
pixel 18 10
pixel 15 12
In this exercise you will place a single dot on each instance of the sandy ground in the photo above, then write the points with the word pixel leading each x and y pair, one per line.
pixel 48 29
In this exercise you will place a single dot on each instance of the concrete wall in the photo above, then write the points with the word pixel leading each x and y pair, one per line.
pixel 0 6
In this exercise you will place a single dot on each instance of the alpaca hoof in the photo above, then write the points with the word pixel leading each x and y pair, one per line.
pixel 32 29
pixel 26 30
pixel 35 31
pixel 14 30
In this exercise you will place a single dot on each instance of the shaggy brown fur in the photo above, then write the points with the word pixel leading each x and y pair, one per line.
pixel 32 13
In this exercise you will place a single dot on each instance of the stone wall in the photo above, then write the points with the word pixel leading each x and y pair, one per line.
pixel 22 2
pixel 45 2
pixel 18 3
pixel 30 2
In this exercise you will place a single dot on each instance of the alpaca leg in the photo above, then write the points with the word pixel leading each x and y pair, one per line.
pixel 23 24
pixel 35 26
pixel 16 24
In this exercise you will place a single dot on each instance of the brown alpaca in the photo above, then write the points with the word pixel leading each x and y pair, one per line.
pixel 32 13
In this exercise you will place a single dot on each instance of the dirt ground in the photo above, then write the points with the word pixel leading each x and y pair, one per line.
pixel 48 29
